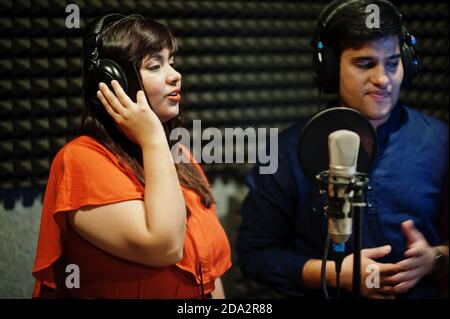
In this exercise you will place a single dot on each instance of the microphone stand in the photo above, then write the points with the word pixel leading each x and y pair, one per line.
pixel 357 184
pixel 358 206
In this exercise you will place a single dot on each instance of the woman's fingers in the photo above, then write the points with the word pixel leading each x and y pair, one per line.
pixel 112 100
pixel 121 95
pixel 141 98
pixel 107 106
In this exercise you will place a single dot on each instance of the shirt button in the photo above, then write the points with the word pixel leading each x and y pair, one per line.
pixel 369 205
pixel 369 187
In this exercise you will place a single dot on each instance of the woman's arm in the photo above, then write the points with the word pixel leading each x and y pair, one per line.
pixel 218 292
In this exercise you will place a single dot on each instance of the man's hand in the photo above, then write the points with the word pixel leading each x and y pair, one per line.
pixel 368 256
pixel 419 259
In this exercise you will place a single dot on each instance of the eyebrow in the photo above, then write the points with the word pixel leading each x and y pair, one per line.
pixel 368 58
pixel 159 57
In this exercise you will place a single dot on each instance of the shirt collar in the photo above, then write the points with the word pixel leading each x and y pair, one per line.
pixel 391 125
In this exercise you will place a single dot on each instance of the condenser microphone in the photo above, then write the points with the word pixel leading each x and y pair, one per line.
pixel 343 147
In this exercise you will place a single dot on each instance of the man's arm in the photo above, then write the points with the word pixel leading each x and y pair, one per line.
pixel 267 231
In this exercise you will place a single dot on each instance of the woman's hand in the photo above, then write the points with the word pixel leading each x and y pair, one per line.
pixel 136 120
pixel 382 289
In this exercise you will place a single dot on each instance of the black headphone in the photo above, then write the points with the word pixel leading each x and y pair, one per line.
pixel 98 70
pixel 326 60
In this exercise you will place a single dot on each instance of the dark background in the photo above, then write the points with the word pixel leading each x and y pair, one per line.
pixel 244 64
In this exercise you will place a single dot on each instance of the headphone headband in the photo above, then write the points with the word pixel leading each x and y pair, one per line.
pixel 92 40
pixel 329 12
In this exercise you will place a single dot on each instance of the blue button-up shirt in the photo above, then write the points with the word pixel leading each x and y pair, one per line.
pixel 283 225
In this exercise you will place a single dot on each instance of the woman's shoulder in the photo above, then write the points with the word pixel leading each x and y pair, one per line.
pixel 85 160
pixel 82 143
pixel 83 150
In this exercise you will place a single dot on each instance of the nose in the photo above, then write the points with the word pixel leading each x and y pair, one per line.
pixel 174 76
pixel 379 76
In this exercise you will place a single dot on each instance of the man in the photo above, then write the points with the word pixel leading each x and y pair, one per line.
pixel 281 239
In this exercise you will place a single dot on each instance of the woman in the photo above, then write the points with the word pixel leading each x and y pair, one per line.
pixel 120 219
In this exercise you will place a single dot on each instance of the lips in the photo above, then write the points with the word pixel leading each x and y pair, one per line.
pixel 379 95
pixel 174 95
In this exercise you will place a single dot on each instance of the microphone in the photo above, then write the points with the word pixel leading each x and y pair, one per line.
pixel 343 147
pixel 330 145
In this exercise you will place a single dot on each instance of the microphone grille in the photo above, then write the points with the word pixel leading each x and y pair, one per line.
pixel 343 147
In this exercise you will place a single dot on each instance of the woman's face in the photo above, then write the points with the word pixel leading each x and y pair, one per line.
pixel 162 84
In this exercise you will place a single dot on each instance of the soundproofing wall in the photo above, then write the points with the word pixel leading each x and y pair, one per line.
pixel 244 63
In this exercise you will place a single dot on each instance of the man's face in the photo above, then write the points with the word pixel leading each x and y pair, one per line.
pixel 370 78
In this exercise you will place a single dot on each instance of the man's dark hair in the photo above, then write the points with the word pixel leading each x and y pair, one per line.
pixel 347 27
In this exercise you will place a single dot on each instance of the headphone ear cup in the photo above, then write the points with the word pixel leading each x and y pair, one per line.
pixel 318 67
pixel 105 71
pixel 325 69
pixel 406 61
pixel 330 81
pixel 410 65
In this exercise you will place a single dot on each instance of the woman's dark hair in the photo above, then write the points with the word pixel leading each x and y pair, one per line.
pixel 128 41
pixel 347 27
